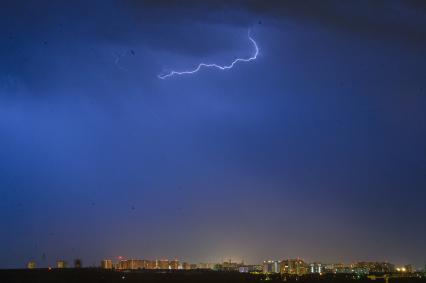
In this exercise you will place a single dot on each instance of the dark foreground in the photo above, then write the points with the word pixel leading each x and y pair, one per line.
pixel 199 276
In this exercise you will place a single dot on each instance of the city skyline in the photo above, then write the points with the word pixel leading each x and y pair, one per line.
pixel 308 141
pixel 295 266
pixel 122 262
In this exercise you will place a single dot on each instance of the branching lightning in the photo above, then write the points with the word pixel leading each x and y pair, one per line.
pixel 225 67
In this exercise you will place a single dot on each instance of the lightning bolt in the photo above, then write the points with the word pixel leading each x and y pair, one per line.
pixel 225 67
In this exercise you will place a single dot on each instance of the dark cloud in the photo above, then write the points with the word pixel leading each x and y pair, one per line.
pixel 181 23
pixel 87 34
pixel 395 19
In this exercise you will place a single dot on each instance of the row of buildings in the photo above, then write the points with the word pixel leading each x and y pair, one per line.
pixel 286 267
pixel 59 264
pixel 132 264
pixel 300 267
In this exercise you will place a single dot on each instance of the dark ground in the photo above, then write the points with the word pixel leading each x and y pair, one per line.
pixel 100 275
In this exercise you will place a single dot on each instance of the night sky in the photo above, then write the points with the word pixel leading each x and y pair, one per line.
pixel 316 149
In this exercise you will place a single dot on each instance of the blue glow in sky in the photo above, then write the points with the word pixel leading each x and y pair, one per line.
pixel 315 150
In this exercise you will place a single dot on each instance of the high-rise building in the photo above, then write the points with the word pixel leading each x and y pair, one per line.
pixel 373 267
pixel 31 265
pixel 409 268
pixel 61 264
pixel 337 268
pixel 230 266
pixel 271 266
pixel 317 268
pixel 78 263
pixel 151 264
pixel 132 264
pixel 257 268
pixel 294 267
pixel 174 264
pixel 203 265
pixel 186 266
pixel 123 264
pixel 106 264
pixel 163 264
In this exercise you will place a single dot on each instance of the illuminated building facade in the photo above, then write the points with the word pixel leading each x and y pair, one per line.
pixel 163 264
pixel 337 268
pixel 271 266
pixel 294 267
pixel 250 268
pixel 186 266
pixel 228 266
pixel 204 265
pixel 106 264
pixel 409 268
pixel 151 264
pixel 316 268
pixel 174 264
pixel 133 264
pixel 372 267
pixel 61 264
pixel 31 265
